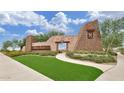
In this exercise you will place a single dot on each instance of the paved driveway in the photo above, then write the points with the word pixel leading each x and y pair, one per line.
pixel 116 73
pixel 13 70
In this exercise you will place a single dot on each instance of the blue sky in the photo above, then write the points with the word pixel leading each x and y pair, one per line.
pixel 17 25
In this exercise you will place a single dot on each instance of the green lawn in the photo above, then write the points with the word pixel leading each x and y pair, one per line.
pixel 59 70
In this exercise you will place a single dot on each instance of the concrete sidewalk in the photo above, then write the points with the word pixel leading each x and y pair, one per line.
pixel 11 70
pixel 116 73
pixel 111 72
pixel 103 67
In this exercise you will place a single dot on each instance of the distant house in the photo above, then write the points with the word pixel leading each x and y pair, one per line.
pixel 88 39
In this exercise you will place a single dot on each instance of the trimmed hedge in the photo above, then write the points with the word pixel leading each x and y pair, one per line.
pixel 19 53
pixel 96 57
pixel 96 52
pixel 13 53
pixel 46 53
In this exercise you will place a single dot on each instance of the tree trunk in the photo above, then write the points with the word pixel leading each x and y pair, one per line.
pixel 109 46
pixel 21 47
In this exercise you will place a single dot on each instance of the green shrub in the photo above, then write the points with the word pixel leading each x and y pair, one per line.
pixel 98 58
pixel 96 52
pixel 112 53
pixel 46 53
pixel 18 53
pixel 121 50
pixel 50 53
pixel 13 53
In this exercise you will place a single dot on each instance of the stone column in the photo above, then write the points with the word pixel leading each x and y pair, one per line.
pixel 28 45
pixel 57 47
pixel 67 46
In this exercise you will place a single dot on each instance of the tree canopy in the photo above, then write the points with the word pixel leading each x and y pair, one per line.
pixel 111 33
pixel 15 43
pixel 46 36
pixel 20 43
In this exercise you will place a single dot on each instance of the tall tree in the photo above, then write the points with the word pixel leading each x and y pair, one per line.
pixel 21 43
pixel 111 35
pixel 46 36
pixel 54 32
pixel 14 44
pixel 6 44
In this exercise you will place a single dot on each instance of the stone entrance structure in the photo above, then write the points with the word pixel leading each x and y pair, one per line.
pixel 51 44
pixel 88 39
pixel 66 45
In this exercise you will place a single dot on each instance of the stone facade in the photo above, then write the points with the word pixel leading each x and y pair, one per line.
pixel 55 40
pixel 29 40
pixel 88 39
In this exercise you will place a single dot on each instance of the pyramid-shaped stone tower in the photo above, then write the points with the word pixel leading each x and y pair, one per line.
pixel 89 38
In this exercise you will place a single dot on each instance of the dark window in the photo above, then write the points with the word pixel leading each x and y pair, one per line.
pixel 40 47
pixel 89 34
pixel 90 31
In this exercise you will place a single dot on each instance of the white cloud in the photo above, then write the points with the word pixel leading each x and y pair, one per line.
pixel 22 18
pixel 101 15
pixel 33 32
pixel 113 14
pixel 60 18
pixel 2 30
pixel 122 30
pixel 78 21
pixel 59 22
pixel 95 15
pixel 15 35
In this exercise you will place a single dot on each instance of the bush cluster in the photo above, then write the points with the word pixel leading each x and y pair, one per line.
pixel 46 53
pixel 121 50
pixel 96 57
pixel 96 52
pixel 13 53
pixel 19 53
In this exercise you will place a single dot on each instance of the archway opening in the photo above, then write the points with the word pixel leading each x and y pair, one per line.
pixel 62 46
